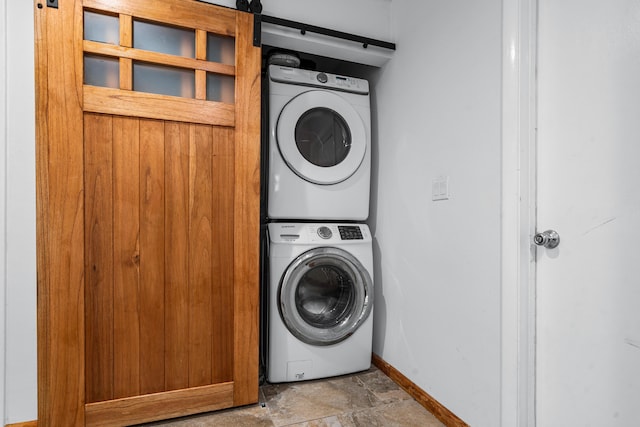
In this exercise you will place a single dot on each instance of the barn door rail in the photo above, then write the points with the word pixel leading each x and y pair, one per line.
pixel 256 8
pixel 304 28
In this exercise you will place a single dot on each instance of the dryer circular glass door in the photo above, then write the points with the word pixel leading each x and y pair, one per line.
pixel 321 137
pixel 324 296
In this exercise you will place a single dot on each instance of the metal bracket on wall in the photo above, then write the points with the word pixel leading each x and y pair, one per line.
pixel 52 3
pixel 257 30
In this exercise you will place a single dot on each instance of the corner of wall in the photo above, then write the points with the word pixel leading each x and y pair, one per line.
pixel 3 198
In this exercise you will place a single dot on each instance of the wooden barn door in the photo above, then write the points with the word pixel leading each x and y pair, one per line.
pixel 148 210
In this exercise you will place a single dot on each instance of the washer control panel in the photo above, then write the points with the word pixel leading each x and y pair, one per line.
pixel 350 232
pixel 325 233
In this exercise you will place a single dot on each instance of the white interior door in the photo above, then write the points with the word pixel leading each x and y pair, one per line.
pixel 588 288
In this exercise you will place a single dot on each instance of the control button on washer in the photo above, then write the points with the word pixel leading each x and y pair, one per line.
pixel 325 232
pixel 322 77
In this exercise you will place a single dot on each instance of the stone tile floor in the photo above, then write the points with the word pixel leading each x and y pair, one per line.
pixel 366 399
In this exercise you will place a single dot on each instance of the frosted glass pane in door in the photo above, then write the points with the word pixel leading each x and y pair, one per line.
pixel 220 88
pixel 221 49
pixel 101 28
pixel 164 39
pixel 101 71
pixel 163 80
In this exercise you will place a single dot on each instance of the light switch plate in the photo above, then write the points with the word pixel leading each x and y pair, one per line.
pixel 440 188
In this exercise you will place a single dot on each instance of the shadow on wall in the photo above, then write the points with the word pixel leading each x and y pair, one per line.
pixel 379 304
pixel 375 158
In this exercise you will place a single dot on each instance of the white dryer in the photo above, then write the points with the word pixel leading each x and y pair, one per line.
pixel 320 300
pixel 319 146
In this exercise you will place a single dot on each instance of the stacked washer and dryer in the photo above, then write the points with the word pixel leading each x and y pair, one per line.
pixel 319 284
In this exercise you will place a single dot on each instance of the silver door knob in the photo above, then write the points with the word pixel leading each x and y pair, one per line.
pixel 549 239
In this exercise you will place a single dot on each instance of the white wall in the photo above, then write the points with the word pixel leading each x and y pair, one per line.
pixel 20 275
pixel 438 112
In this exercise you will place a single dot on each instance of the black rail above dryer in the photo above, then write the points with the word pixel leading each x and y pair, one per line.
pixel 304 28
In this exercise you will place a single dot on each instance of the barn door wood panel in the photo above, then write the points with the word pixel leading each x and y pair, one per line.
pixel 148 213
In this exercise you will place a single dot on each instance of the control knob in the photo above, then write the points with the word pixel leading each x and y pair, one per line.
pixel 325 232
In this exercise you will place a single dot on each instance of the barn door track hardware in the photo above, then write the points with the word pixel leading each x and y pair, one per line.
pixel 255 7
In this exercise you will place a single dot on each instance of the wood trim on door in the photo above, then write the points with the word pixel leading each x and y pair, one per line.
pixel 247 213
pixel 59 216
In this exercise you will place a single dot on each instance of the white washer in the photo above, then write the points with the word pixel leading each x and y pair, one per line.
pixel 320 300
pixel 319 146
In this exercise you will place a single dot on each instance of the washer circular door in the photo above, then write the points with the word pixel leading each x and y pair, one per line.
pixel 324 296
pixel 321 137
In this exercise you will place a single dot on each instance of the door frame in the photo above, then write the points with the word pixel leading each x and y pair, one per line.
pixel 3 199
pixel 518 320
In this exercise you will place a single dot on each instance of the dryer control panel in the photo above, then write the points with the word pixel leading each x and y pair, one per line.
pixel 279 73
